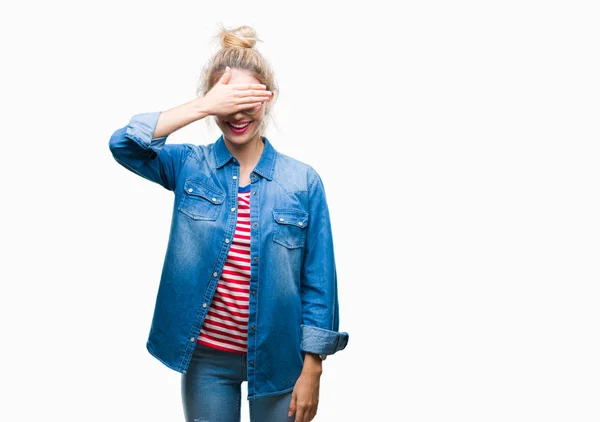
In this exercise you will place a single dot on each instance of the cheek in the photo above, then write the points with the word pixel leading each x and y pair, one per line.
pixel 259 112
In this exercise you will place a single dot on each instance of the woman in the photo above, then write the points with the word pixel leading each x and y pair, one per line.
pixel 248 290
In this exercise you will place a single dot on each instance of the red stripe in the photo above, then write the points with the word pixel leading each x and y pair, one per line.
pixel 224 291
pixel 238 259
pixel 229 327
pixel 214 346
pixel 241 236
pixel 236 273
pixel 230 311
pixel 240 251
pixel 217 331
pixel 226 318
pixel 231 307
pixel 209 337
pixel 238 266
pixel 235 289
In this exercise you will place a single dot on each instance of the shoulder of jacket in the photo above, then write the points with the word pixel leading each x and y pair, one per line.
pixel 294 174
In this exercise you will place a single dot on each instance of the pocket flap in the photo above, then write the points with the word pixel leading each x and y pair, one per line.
pixel 297 218
pixel 197 188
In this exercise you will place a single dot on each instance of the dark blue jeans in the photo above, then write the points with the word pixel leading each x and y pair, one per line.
pixel 211 390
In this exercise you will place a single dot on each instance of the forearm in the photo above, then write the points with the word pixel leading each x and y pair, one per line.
pixel 312 364
pixel 175 118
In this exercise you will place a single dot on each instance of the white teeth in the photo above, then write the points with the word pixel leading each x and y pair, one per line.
pixel 240 126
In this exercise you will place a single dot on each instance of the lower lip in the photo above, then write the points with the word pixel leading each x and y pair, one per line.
pixel 238 131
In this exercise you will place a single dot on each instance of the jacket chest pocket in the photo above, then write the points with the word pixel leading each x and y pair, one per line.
pixel 290 227
pixel 201 201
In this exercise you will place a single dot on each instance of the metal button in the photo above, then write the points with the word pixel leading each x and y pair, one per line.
pixel 280 218
pixel 254 193
pixel 253 174
pixel 299 223
pixel 255 224
pixel 204 305
pixel 255 258
pixel 214 199
pixel 253 292
pixel 252 362
pixel 254 327
pixel 193 339
pixel 234 177
pixel 190 190
pixel 233 209
pixel 215 274
pixel 226 240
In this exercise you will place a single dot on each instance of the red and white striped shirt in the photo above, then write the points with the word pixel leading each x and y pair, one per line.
pixel 226 324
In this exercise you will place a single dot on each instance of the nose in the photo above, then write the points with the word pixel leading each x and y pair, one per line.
pixel 240 115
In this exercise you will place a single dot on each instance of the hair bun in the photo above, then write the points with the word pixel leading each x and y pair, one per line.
pixel 241 37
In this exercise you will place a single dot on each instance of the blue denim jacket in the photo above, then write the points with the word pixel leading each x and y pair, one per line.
pixel 293 305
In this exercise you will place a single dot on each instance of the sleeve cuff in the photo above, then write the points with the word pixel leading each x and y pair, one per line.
pixel 141 128
pixel 322 341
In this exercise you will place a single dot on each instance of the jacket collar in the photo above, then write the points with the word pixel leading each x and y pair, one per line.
pixel 265 166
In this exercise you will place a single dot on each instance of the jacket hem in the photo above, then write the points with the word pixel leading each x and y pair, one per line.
pixel 257 396
pixel 168 365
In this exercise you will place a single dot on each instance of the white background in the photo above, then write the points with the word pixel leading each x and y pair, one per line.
pixel 458 145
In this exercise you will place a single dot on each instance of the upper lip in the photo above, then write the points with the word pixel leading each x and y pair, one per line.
pixel 240 123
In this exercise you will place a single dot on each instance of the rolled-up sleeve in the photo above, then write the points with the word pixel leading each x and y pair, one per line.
pixel 318 282
pixel 134 148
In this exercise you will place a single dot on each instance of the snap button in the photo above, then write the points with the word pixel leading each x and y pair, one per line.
pixel 253 292
pixel 214 199
pixel 226 240
pixel 215 274
pixel 192 339
pixel 204 305
pixel 299 223
pixel 233 209
pixel 280 218
pixel 190 190
pixel 255 258
pixel 234 177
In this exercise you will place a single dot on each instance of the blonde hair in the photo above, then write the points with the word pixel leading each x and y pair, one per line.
pixel 237 51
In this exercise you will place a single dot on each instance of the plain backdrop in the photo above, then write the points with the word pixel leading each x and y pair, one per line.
pixel 458 143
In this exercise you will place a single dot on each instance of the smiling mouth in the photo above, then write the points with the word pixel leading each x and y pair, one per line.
pixel 238 125
pixel 238 128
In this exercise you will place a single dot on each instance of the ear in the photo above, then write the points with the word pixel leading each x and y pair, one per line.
pixel 268 104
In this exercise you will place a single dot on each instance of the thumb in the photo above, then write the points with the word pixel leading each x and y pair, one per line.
pixel 226 75
pixel 292 409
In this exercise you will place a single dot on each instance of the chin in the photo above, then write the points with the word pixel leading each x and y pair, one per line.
pixel 239 139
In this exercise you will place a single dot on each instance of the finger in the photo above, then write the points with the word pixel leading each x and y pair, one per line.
pixel 246 100
pixel 249 106
pixel 256 92
pixel 226 75
pixel 300 415
pixel 292 408
pixel 242 87
pixel 307 414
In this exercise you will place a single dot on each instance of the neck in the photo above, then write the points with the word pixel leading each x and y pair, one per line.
pixel 247 154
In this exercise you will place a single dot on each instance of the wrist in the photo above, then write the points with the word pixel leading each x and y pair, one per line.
pixel 200 107
pixel 312 363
